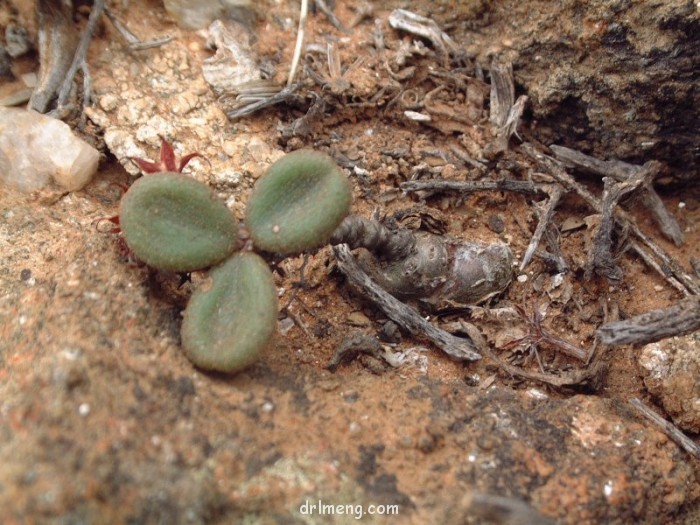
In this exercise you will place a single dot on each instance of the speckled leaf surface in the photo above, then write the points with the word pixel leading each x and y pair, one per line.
pixel 297 204
pixel 173 222
pixel 229 322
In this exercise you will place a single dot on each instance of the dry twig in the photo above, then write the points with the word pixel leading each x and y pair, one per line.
pixel 300 42
pixel 321 4
pixel 518 186
pixel 621 171
pixel 537 335
pixel 80 54
pixel 667 266
pixel 504 110
pixel 135 43
pixel 425 28
pixel 58 41
pixel 591 374
pixel 669 429
pixel 401 314
pixel 502 93
pixel 601 260
pixel 555 192
pixel 248 103
pixel 680 319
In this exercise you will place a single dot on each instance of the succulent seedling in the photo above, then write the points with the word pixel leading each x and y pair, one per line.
pixel 168 163
pixel 227 323
pixel 175 223
pixel 298 203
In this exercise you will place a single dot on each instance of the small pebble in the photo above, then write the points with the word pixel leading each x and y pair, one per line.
pixel 285 325
pixel 390 332
pixel 358 319
pixel 608 489
pixel 36 149
pixel 350 396
pixel 496 224
pixel 472 380
pixel 354 428
pixel 17 41
pixel 522 278
pixel 109 102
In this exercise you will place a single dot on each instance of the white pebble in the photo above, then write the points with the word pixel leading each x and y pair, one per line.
pixel 34 149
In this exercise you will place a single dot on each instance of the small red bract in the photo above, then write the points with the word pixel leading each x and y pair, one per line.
pixel 168 160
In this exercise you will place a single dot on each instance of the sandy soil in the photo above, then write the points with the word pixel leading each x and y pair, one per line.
pixel 104 420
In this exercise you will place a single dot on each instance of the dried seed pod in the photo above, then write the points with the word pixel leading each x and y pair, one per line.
pixel 297 204
pixel 172 222
pixel 228 323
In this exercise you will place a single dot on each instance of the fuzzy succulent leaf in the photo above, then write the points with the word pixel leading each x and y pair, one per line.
pixel 227 324
pixel 173 222
pixel 297 204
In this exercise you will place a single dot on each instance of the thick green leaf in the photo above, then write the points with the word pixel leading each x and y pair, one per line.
pixel 297 204
pixel 228 323
pixel 173 222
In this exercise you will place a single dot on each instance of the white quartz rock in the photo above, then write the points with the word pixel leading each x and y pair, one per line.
pixel 35 149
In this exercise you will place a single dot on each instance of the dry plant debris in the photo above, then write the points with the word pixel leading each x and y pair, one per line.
pixel 444 135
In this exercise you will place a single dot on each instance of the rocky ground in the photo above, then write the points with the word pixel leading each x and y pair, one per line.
pixel 104 420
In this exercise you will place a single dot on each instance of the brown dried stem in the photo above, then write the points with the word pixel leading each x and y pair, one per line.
pixel 403 315
pixel 504 111
pixel 135 43
pixel 679 319
pixel 591 374
pixel 58 40
pixel 502 93
pixel 80 53
pixel 669 429
pixel 555 192
pixel 321 4
pixel 601 260
pixel 622 171
pixel 518 186
pixel 249 107
pixel 668 267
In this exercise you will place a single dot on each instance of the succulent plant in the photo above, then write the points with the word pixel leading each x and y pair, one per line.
pixel 172 222
pixel 228 322
pixel 298 203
